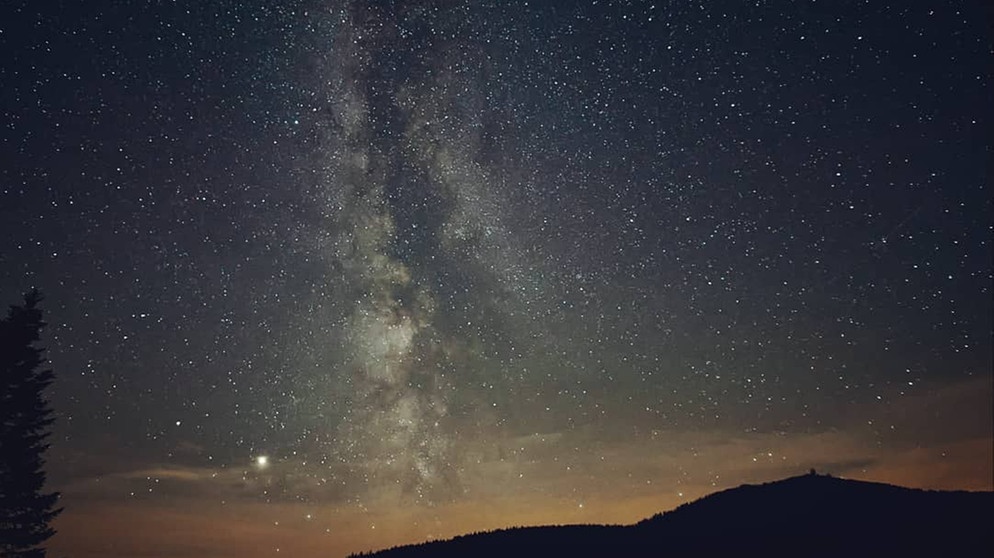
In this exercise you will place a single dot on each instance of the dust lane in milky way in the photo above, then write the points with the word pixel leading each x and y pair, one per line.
pixel 418 240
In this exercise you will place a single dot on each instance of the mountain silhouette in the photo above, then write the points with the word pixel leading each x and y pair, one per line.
pixel 810 515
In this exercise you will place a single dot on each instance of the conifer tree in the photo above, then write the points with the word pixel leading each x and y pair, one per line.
pixel 26 511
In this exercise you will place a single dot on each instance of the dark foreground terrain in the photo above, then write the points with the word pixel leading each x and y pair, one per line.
pixel 811 515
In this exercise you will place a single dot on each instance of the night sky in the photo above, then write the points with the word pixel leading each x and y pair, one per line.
pixel 328 276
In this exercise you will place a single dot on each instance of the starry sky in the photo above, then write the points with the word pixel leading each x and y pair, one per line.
pixel 326 276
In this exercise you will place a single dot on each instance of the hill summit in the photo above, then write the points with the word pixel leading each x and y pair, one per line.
pixel 809 515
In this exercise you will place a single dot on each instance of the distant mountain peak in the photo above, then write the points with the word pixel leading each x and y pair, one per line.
pixel 806 515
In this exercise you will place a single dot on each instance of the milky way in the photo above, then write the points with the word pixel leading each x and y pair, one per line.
pixel 416 226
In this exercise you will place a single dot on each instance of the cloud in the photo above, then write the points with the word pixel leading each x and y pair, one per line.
pixel 185 474
pixel 567 476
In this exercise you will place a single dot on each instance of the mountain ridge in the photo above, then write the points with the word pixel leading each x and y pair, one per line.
pixel 807 515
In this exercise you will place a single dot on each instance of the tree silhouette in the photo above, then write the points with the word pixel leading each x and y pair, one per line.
pixel 25 511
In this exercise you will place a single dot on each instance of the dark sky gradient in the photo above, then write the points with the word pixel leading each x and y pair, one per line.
pixel 451 266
